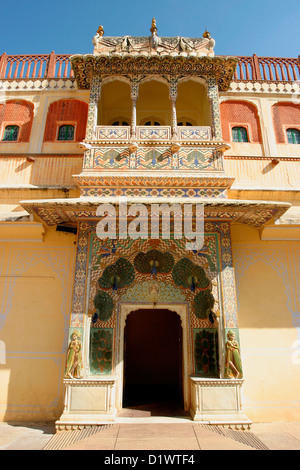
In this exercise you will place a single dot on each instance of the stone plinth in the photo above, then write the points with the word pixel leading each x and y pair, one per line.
pixel 217 401
pixel 89 401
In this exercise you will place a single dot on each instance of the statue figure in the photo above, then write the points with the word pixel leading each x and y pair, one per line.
pixel 98 36
pixel 74 357
pixel 233 363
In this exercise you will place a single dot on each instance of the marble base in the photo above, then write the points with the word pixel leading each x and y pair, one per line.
pixel 88 402
pixel 217 401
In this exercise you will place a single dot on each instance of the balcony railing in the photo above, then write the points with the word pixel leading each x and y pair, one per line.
pixel 268 69
pixel 14 67
pixel 153 133
pixel 58 66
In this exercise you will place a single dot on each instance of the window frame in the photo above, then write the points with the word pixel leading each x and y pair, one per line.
pixel 65 123
pixel 184 120
pixel 118 119
pixel 121 123
pixel 289 128
pixel 151 118
pixel 240 126
pixel 8 124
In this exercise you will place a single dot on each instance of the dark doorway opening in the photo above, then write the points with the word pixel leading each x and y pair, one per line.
pixel 153 361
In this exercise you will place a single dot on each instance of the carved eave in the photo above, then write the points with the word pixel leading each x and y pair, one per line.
pixel 253 213
pixel 220 68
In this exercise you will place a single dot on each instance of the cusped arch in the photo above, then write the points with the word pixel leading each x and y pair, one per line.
pixel 114 101
pixel 154 101
pixel 192 103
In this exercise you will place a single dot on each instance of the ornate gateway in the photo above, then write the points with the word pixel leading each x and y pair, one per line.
pixel 153 141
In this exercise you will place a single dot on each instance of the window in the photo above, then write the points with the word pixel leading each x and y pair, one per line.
pixel 11 134
pixel 66 132
pixel 120 123
pixel 152 123
pixel 239 134
pixel 293 136
pixel 184 123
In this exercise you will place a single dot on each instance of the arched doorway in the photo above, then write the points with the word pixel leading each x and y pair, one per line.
pixel 153 359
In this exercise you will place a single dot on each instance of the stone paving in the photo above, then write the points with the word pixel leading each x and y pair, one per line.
pixel 150 436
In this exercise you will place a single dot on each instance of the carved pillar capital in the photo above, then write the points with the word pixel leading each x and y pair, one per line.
pixel 135 83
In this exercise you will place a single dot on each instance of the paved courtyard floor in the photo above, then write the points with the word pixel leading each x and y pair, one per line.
pixel 150 435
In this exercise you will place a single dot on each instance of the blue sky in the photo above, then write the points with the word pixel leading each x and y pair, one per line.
pixel 264 27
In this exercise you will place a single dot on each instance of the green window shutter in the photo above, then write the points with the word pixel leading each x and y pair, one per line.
pixel 293 136
pixel 239 134
pixel 66 132
pixel 11 133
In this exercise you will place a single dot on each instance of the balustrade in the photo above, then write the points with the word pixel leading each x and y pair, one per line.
pixel 268 69
pixel 58 66
pixel 153 133
pixel 35 66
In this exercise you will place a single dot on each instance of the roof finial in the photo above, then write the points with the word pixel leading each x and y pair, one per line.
pixel 206 34
pixel 100 31
pixel 153 26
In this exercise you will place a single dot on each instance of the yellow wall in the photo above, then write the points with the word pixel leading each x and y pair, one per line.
pixel 268 280
pixel 35 290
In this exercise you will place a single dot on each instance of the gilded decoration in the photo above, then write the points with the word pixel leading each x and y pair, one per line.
pixel 153 292
pixel 96 255
pixel 157 272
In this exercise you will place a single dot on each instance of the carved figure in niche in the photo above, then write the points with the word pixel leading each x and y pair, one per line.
pixel 233 363
pixel 74 357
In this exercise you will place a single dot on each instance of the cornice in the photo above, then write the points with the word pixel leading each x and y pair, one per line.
pixel 220 68
pixel 253 213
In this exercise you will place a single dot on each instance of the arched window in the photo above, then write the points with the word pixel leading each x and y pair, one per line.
pixel 152 123
pixel 293 136
pixel 66 132
pixel 239 134
pixel 120 123
pixel 184 123
pixel 11 134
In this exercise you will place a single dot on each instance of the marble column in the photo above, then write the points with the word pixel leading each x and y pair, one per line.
pixel 134 96
pixel 173 97
pixel 213 96
pixel 93 107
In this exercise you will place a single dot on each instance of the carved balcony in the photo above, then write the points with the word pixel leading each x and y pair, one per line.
pixel 152 133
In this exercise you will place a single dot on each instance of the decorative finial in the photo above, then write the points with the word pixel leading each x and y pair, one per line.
pixel 206 34
pixel 100 31
pixel 153 26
